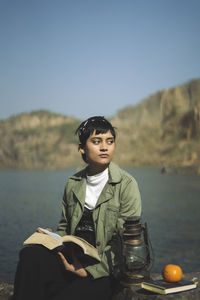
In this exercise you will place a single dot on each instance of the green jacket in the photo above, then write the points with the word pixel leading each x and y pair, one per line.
pixel 120 198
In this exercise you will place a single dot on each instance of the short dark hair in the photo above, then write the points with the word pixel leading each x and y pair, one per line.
pixel 96 123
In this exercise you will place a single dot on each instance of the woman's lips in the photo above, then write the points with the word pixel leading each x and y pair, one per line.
pixel 103 155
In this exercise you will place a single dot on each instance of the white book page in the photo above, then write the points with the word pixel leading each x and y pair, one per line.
pixel 56 236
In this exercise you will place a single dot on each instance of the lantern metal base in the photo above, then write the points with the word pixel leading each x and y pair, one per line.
pixel 134 278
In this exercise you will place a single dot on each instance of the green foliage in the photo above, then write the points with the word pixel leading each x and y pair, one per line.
pixel 67 131
pixel 27 132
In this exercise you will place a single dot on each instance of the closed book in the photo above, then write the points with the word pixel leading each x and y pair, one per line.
pixel 164 287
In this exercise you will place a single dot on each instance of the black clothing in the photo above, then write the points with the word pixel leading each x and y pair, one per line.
pixel 85 228
pixel 41 275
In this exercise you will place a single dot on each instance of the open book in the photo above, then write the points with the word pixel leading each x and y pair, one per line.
pixel 53 240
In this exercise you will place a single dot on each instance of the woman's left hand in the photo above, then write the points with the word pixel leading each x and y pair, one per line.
pixel 75 267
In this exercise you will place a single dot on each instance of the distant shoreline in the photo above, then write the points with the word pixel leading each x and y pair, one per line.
pixel 182 170
pixel 179 170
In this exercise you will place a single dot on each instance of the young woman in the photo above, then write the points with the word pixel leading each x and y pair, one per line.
pixel 96 202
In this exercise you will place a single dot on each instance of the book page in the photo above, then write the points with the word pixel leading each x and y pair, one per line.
pixel 43 239
pixel 54 235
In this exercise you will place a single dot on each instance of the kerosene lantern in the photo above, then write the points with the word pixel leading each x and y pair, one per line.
pixel 135 252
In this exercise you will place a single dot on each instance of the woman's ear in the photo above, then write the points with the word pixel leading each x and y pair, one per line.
pixel 81 149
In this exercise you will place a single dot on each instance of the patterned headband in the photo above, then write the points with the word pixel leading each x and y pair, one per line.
pixel 83 127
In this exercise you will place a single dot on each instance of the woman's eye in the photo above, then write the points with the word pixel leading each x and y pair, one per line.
pixel 110 142
pixel 96 142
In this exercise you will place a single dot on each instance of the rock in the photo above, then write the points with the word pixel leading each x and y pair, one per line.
pixel 6 290
pixel 137 293
pixel 127 293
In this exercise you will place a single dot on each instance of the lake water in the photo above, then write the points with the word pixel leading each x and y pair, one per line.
pixel 171 208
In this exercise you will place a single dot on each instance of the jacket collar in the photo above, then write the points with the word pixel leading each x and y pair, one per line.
pixel 113 169
pixel 80 175
pixel 114 173
pixel 80 188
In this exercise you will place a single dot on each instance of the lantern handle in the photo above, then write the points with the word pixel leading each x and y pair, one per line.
pixel 147 242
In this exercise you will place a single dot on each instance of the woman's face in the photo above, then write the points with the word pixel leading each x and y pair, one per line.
pixel 99 150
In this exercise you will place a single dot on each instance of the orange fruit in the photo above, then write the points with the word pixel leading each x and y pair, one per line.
pixel 172 273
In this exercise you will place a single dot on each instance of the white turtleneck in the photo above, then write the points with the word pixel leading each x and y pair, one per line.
pixel 94 187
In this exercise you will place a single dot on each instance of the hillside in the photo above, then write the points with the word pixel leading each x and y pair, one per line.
pixel 38 140
pixel 162 130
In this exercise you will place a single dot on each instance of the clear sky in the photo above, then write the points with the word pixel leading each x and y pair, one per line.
pixel 94 57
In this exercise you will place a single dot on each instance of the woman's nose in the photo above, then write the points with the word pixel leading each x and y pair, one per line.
pixel 103 146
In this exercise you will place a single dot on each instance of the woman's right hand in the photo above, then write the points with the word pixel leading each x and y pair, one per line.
pixel 74 267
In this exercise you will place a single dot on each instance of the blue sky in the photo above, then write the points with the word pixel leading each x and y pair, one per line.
pixel 88 57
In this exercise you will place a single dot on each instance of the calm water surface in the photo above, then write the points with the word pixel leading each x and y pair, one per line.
pixel 171 208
